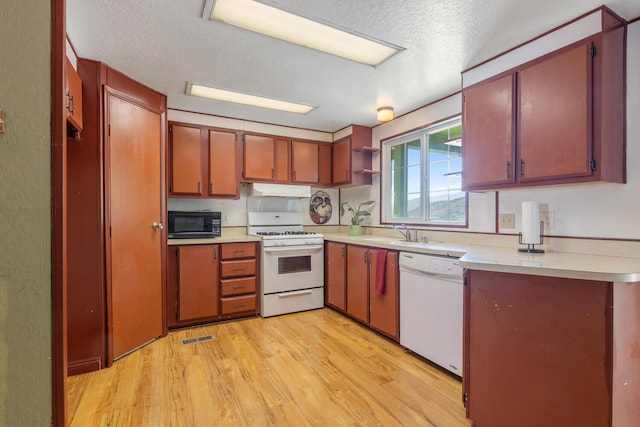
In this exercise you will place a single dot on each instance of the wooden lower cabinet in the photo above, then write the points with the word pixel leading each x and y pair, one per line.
pixel 350 279
pixel 545 351
pixel 207 283
pixel 197 282
pixel 335 286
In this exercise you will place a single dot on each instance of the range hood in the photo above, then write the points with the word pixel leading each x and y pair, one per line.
pixel 280 190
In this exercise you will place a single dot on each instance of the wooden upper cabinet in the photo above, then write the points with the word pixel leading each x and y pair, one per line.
pixel 283 160
pixel 73 91
pixel 488 150
pixel 342 161
pixel 266 158
pixel 324 164
pixel 186 160
pixel 223 164
pixel 563 115
pixel 305 162
pixel 259 158
pixel 352 158
pixel 554 113
pixel 203 162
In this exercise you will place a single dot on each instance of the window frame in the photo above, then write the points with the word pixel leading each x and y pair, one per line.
pixel 420 134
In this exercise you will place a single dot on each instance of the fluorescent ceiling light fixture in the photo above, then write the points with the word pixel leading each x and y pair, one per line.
pixel 280 24
pixel 242 98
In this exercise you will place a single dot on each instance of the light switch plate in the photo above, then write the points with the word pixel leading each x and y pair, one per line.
pixel 508 220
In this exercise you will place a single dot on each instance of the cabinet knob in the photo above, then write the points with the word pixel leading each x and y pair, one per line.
pixel 157 226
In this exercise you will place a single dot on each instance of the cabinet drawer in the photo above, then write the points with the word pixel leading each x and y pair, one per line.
pixel 245 285
pixel 231 305
pixel 237 250
pixel 245 267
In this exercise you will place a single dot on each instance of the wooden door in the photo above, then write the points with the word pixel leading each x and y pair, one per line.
pixel 555 116
pixel 185 160
pixel 259 158
pixel 197 282
pixel 358 282
pixel 383 308
pixel 324 164
pixel 335 265
pixel 305 162
pixel 342 161
pixel 223 172
pixel 488 148
pixel 134 192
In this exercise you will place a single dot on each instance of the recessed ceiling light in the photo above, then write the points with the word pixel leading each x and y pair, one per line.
pixel 283 25
pixel 243 98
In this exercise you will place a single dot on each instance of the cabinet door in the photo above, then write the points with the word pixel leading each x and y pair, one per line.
pixel 335 264
pixel 383 312
pixel 305 162
pixel 488 134
pixel 197 282
pixel 74 97
pixel 223 175
pixel 186 160
pixel 282 164
pixel 555 116
pixel 546 336
pixel 259 158
pixel 358 282
pixel 324 167
pixel 342 161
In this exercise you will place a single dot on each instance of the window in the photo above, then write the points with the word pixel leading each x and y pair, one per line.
pixel 422 177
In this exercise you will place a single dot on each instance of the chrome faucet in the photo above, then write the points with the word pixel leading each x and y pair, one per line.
pixel 406 233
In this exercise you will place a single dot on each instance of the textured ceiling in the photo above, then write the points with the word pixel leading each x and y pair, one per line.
pixel 165 43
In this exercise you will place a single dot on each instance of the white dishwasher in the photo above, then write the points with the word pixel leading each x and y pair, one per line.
pixel 431 308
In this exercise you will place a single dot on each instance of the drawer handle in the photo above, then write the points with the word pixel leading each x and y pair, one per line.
pixel 238 251
pixel 239 305
pixel 294 294
pixel 238 286
pixel 239 269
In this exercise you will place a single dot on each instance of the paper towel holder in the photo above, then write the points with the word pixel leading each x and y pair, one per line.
pixel 531 247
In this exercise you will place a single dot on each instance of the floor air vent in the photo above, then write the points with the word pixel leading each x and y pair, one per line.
pixel 196 340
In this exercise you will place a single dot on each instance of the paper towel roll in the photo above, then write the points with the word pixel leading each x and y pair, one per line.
pixel 531 223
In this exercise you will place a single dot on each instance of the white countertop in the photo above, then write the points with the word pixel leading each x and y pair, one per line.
pixel 509 260
pixel 222 239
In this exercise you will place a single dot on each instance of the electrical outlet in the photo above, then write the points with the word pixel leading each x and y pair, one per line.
pixel 508 220
pixel 549 220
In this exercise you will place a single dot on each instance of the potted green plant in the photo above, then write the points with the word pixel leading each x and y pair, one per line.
pixel 358 214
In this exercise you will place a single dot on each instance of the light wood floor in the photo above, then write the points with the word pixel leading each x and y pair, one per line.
pixel 316 368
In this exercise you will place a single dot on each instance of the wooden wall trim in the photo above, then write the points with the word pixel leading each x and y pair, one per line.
pixel 58 214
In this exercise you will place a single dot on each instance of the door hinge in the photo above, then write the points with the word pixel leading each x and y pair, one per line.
pixel 109 130
pixel 593 51
pixel 170 188
pixel 465 398
pixel 593 165
pixel 464 281
pixel 170 128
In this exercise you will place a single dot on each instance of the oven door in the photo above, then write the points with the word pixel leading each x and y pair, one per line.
pixel 291 268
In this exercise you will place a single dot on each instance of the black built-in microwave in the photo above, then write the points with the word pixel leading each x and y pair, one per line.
pixel 194 224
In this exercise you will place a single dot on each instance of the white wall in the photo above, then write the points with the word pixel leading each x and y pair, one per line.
pixel 481 205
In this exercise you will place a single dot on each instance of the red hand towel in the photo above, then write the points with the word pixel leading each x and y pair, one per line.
pixel 381 264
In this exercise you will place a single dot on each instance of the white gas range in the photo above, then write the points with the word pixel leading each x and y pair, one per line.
pixel 292 264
